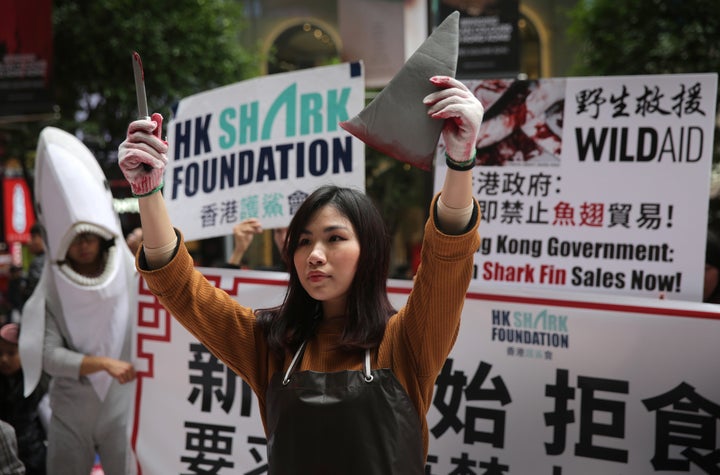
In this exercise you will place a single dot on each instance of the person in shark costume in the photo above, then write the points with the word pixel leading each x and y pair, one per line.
pixel 77 326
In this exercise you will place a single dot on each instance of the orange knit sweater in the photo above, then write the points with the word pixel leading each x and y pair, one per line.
pixel 415 346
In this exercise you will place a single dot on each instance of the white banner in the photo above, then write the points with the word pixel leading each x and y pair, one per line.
pixel 539 382
pixel 257 148
pixel 595 184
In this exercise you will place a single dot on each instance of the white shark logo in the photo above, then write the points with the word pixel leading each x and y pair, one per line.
pixel 72 197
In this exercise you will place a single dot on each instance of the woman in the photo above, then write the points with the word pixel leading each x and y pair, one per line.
pixel 344 382
pixel 77 325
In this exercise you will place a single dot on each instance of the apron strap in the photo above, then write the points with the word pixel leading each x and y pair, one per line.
pixel 286 378
pixel 368 375
pixel 366 365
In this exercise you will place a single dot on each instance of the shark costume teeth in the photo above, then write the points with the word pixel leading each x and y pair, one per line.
pixel 73 197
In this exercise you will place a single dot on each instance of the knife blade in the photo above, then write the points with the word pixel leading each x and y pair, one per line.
pixel 143 112
pixel 139 74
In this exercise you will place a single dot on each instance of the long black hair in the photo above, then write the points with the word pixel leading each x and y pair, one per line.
pixel 368 307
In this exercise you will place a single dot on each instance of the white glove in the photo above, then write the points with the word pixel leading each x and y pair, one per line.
pixel 463 115
pixel 143 155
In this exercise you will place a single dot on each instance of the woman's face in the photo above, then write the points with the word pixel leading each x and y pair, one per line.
pixel 326 259
pixel 84 249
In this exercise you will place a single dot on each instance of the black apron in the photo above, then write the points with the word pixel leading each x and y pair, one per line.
pixel 342 423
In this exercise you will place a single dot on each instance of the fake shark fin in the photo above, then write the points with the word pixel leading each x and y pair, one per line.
pixel 396 121
pixel 32 329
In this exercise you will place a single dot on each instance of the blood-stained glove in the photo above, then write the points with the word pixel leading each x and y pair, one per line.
pixel 143 155
pixel 463 115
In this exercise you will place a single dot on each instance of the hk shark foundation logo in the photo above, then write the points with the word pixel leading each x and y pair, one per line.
pixel 530 334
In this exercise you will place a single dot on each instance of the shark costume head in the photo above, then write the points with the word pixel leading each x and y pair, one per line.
pixel 71 193
pixel 72 197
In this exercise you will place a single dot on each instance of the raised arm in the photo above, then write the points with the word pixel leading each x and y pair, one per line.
pixel 463 114
pixel 142 158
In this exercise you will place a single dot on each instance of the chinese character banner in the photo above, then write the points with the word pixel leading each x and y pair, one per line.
pixel 257 148
pixel 596 184
pixel 539 382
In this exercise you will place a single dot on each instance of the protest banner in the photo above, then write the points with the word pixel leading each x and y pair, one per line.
pixel 257 148
pixel 590 187
pixel 595 184
pixel 538 382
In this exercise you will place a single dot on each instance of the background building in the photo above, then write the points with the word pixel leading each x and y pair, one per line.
pixel 294 35
pixel 308 33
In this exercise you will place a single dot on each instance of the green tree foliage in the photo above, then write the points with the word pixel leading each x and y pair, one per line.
pixel 395 187
pixel 187 46
pixel 646 36
pixel 627 37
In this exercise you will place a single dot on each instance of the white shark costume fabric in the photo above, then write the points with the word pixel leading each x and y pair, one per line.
pixel 69 316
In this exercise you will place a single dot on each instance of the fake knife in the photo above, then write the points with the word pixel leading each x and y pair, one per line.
pixel 139 74
pixel 143 112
